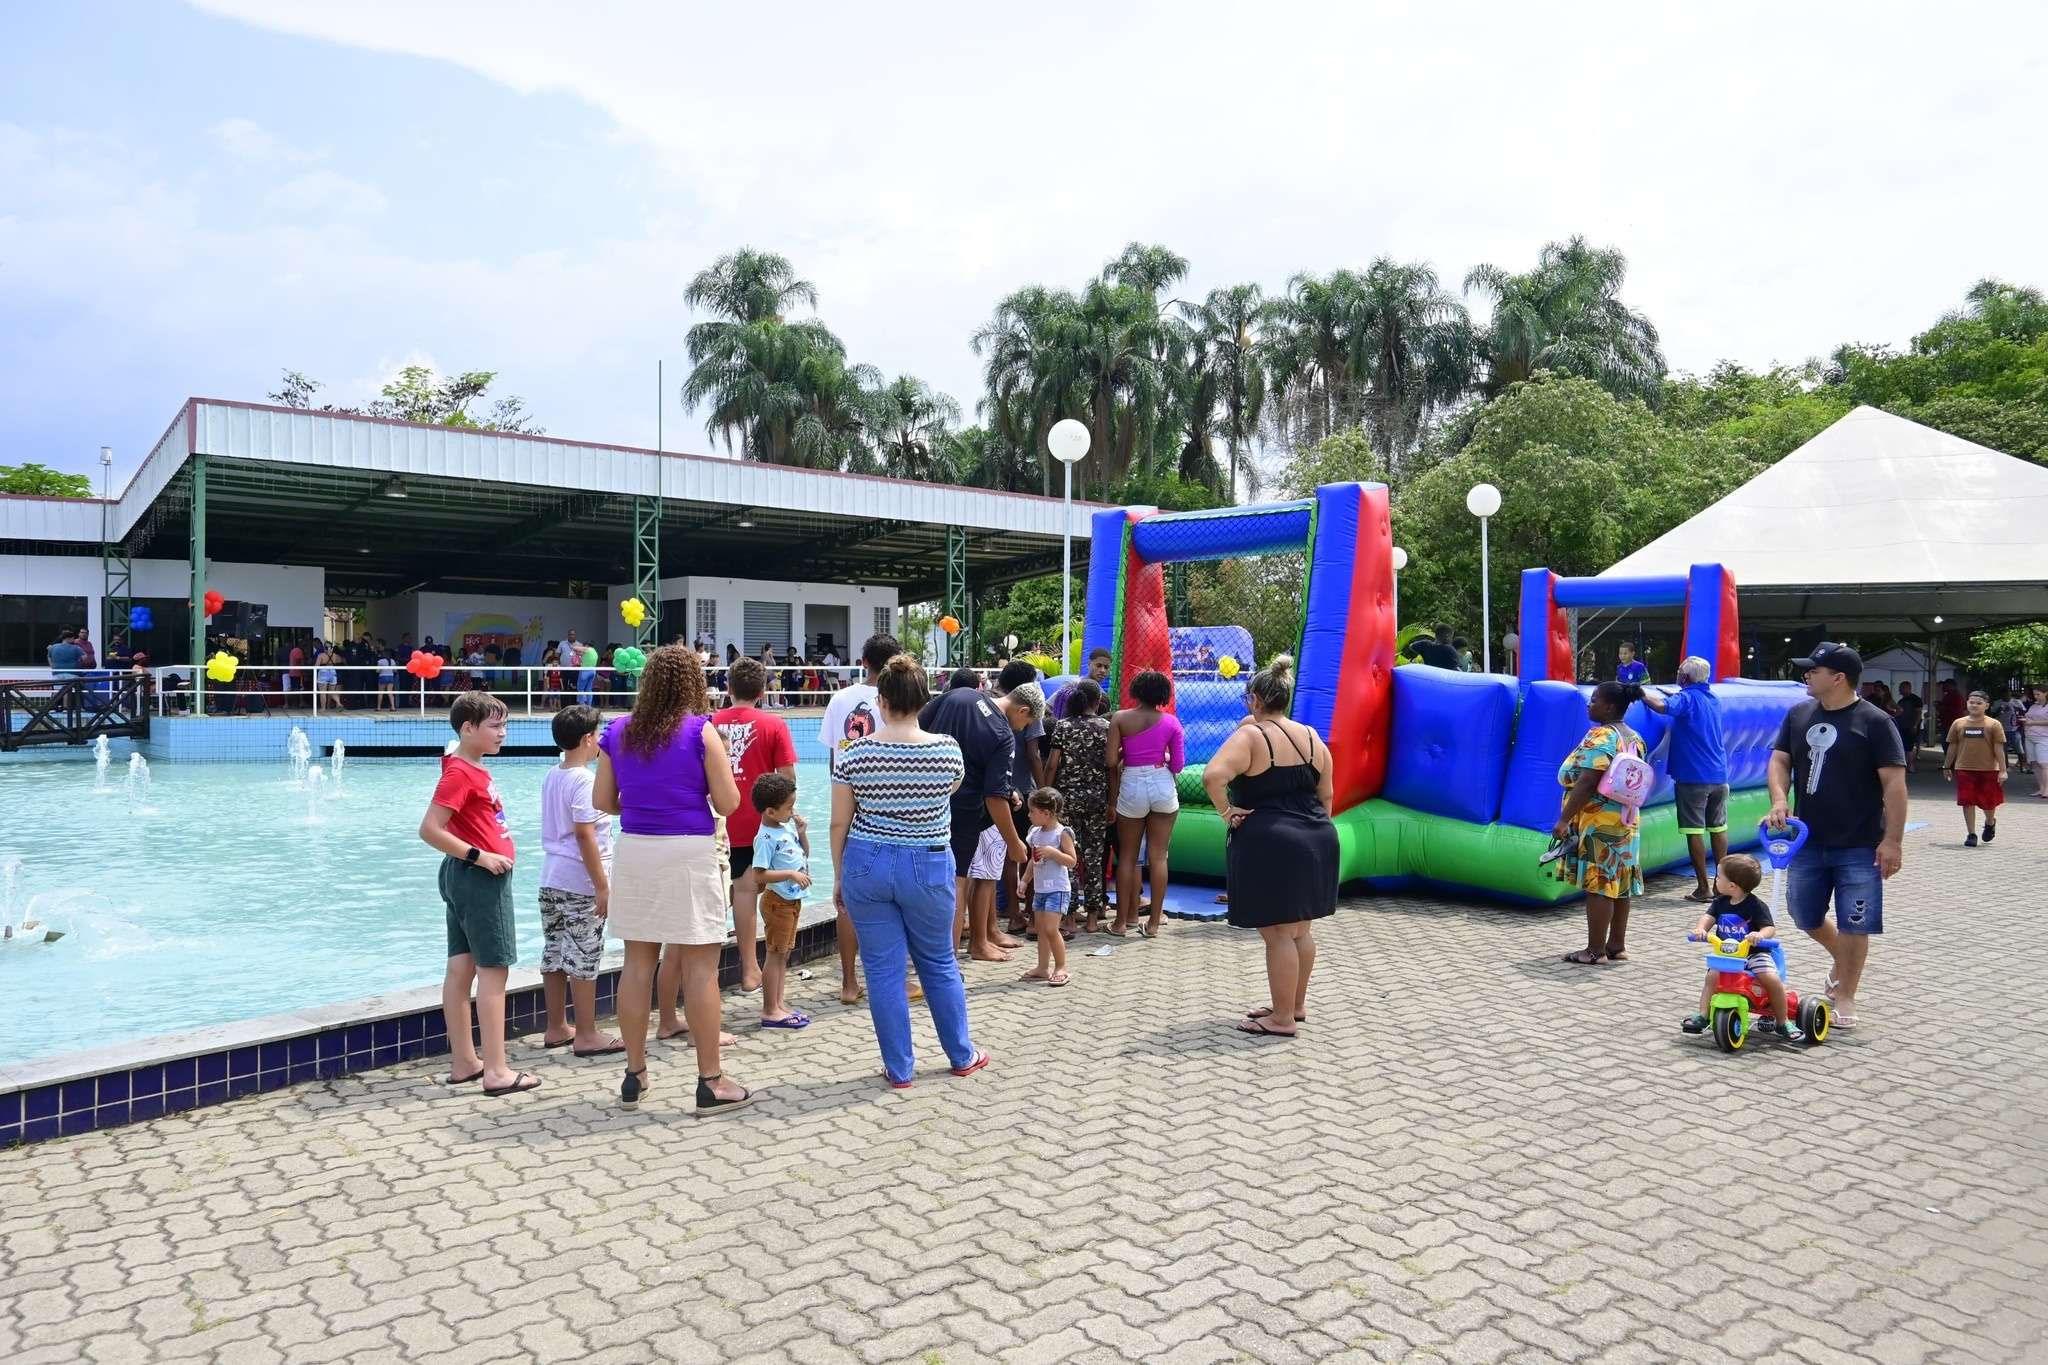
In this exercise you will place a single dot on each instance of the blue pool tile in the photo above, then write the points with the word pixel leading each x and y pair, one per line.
pixel 145 1107
pixel 40 1103
pixel 177 1101
pixel 333 1043
pixel 182 1074
pixel 10 1134
pixel 384 1033
pixel 80 1122
pixel 358 1038
pixel 113 1088
pixel 384 1056
pixel 239 1086
pixel 327 1068
pixel 111 1115
pixel 39 1130
pixel 412 1028
pixel 300 1072
pixel 10 1109
pixel 416 1047
pixel 213 1066
pixel 358 1061
pixel 274 1056
pixel 78 1095
pixel 272 1080
pixel 146 1080
pixel 306 1049
pixel 213 1092
pixel 242 1062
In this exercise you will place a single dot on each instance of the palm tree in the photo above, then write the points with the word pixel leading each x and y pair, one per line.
pixel 1020 371
pixel 1230 321
pixel 912 422
pixel 1308 356
pixel 1150 268
pixel 1411 350
pixel 1567 315
pixel 1110 349
pixel 750 286
pixel 748 364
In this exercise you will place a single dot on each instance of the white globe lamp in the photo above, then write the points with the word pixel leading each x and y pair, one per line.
pixel 1068 442
pixel 1482 502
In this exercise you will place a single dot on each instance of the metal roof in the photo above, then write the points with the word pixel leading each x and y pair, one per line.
pixel 384 506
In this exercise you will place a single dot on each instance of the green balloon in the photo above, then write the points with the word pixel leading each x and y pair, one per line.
pixel 629 659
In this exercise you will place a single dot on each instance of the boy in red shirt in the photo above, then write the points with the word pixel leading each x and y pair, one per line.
pixel 466 821
pixel 759 743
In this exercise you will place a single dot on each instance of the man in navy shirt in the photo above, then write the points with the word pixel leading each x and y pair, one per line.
pixel 65 655
pixel 986 729
pixel 1631 669
pixel 1699 765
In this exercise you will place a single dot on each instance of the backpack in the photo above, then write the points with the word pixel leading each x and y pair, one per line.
pixel 1629 778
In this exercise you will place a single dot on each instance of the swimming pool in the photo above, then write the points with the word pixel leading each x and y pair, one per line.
pixel 234 891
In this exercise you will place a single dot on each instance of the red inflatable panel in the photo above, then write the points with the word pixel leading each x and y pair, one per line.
pixel 1145 641
pixel 1729 664
pixel 1563 667
pixel 1363 724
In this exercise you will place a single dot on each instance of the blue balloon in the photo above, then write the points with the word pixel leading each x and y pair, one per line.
pixel 139 618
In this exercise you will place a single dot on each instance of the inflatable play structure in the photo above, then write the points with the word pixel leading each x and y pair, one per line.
pixel 1442 779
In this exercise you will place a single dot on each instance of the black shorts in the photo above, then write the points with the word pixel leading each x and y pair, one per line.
pixel 968 823
pixel 742 860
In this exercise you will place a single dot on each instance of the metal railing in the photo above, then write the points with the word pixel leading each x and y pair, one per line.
pixel 530 690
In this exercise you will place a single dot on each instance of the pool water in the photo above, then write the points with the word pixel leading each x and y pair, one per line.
pixel 235 892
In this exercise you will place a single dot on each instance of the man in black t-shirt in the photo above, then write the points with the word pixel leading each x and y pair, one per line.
pixel 1437 653
pixel 1839 760
pixel 986 728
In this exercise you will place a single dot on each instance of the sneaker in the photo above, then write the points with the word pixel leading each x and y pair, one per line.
pixel 1791 1032
pixel 1990 831
pixel 1969 841
pixel 1694 1023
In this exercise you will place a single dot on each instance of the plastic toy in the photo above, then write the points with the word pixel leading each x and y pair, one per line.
pixel 221 667
pixel 1739 1004
pixel 633 611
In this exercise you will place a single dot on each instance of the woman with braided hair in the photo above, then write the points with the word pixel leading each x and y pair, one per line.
pixel 665 773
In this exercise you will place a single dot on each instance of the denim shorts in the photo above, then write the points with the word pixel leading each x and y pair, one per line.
pixel 1146 791
pixel 1849 875
pixel 1051 902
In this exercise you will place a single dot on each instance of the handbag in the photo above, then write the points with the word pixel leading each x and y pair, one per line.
pixel 1629 778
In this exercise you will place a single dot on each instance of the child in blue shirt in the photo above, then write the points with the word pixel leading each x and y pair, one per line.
pixel 782 871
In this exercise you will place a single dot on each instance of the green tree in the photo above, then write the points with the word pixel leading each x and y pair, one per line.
pixel 1230 323
pixel 1413 353
pixel 41 481
pixel 1567 316
pixel 1347 457
pixel 980 458
pixel 1766 414
pixel 417 394
pixel 912 423
pixel 2017 651
pixel 1308 357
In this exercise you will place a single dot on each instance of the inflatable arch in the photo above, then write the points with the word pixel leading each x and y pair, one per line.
pixel 1441 779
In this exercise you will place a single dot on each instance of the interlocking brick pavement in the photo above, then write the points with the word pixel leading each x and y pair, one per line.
pixel 1473 1153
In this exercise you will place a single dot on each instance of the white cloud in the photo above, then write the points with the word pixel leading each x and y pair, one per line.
pixel 326 194
pixel 246 140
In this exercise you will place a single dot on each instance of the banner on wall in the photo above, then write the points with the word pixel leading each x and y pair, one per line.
pixel 475 631
pixel 1199 650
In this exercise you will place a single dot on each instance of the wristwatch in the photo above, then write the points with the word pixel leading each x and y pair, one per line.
pixel 473 854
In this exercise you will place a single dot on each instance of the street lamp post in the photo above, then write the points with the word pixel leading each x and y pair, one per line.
pixel 1400 563
pixel 1068 442
pixel 1482 502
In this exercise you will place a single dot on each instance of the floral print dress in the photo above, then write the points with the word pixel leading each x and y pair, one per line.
pixel 1083 782
pixel 1603 854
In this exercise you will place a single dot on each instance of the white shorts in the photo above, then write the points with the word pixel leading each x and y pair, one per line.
pixel 990 854
pixel 2037 749
pixel 1147 791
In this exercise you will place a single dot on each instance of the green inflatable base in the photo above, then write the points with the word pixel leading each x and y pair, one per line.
pixel 1393 846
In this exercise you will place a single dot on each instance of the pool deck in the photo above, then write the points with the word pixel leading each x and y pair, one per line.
pixel 1473 1153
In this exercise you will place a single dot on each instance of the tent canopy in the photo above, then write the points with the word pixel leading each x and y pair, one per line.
pixel 1876 525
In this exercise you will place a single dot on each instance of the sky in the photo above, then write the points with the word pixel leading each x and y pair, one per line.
pixel 196 197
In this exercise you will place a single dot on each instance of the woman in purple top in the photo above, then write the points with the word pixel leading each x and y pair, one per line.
pixel 1146 751
pixel 664 772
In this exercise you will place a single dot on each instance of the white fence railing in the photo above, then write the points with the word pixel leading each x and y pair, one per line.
pixel 531 690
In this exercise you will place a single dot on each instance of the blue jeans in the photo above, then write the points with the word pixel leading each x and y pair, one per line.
pixel 1850 874
pixel 586 686
pixel 900 897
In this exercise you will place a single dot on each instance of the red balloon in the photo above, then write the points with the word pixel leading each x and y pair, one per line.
pixel 213 602
pixel 424 665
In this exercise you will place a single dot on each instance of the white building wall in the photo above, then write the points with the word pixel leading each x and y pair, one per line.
pixel 445 615
pixel 295 595
pixel 730 596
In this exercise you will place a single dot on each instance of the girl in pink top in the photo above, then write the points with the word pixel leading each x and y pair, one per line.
pixel 1146 749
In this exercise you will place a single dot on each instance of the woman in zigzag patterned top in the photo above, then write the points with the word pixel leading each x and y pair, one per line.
pixel 891 844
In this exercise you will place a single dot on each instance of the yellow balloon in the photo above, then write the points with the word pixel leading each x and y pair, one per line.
pixel 1228 666
pixel 633 611
pixel 221 667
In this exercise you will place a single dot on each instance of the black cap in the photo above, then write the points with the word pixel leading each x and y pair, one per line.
pixel 1828 654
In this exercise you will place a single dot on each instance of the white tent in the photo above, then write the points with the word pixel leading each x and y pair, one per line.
pixel 1876 526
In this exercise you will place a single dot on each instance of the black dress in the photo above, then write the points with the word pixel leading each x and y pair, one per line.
pixel 1282 861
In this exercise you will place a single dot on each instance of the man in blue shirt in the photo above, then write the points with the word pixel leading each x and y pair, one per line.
pixel 65 656
pixel 1631 669
pixel 1699 765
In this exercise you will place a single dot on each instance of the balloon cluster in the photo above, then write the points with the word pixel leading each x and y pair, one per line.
pixel 213 602
pixel 629 659
pixel 950 624
pixel 221 667
pixel 140 618
pixel 632 611
pixel 1228 666
pixel 424 666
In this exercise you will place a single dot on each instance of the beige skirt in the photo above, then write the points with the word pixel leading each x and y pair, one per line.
pixel 667 888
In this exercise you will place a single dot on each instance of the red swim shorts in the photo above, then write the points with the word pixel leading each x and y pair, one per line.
pixel 1982 790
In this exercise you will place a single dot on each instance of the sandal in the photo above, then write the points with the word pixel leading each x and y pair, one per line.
pixel 1058 979
pixel 981 1060
pixel 1617 954
pixel 632 1088
pixel 614 1049
pixel 708 1102
pixel 1582 958
pixel 794 1019
pixel 452 1079
pixel 1266 1012
pixel 524 1081
pixel 1258 1026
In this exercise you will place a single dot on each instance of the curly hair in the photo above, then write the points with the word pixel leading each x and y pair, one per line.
pixel 671 687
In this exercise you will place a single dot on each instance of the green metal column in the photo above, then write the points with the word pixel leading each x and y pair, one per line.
pixel 647 568
pixel 956 593
pixel 1177 595
pixel 117 592
pixel 198 555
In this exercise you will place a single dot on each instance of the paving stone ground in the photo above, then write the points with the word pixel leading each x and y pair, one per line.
pixel 1473 1153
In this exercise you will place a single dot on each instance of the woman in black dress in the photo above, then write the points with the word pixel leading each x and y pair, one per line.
pixel 1282 861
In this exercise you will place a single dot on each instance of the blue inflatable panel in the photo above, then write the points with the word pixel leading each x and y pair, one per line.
pixel 1105 557
pixel 1658 590
pixel 1209 712
pixel 1332 565
pixel 1751 713
pixel 1552 723
pixel 1451 740
pixel 1181 537
pixel 1655 730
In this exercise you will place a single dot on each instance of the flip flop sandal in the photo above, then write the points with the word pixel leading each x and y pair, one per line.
pixel 795 1019
pixel 524 1081
pixel 616 1048
pixel 1266 1012
pixel 452 1079
pixel 1060 980
pixel 895 1084
pixel 708 1102
pixel 1582 958
pixel 981 1059
pixel 1258 1027
pixel 564 1043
